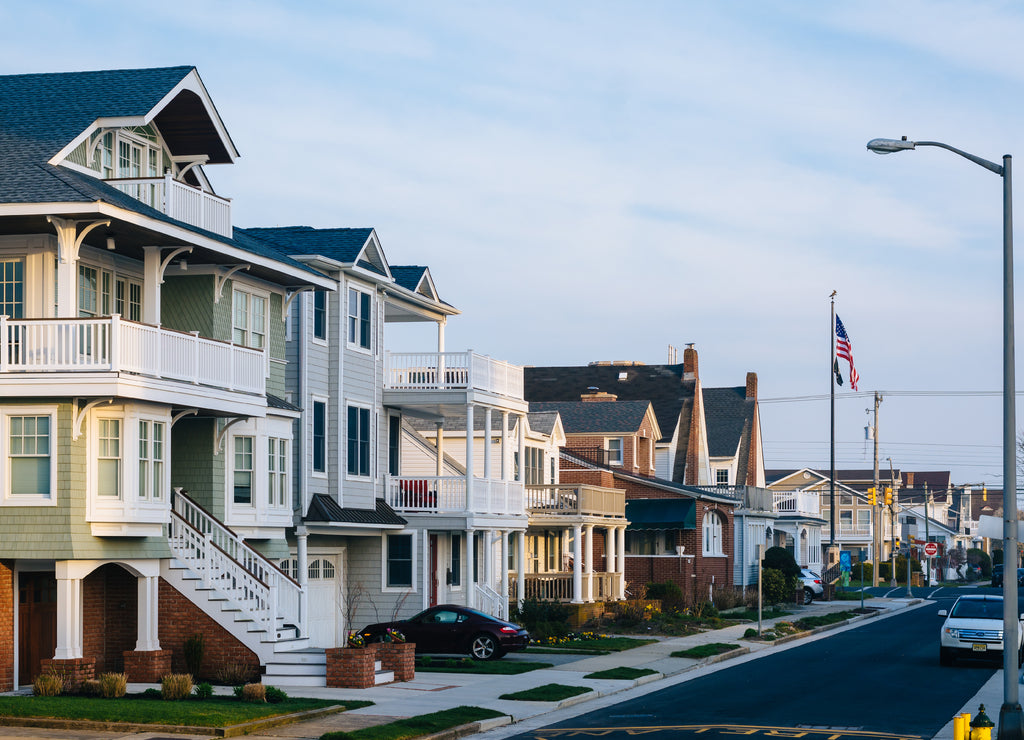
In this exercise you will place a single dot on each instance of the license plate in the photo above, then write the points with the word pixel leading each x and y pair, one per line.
pixel 979 647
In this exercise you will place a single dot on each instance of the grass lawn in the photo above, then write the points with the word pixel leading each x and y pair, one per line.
pixel 217 711
pixel 547 692
pixel 496 667
pixel 851 596
pixel 612 644
pixel 807 623
pixel 622 673
pixel 425 724
pixel 704 651
pixel 751 614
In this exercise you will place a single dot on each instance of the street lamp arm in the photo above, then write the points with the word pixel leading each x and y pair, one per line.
pixel 997 168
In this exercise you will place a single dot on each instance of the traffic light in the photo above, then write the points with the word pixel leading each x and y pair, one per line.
pixel 888 496
pixel 984 493
pixel 872 496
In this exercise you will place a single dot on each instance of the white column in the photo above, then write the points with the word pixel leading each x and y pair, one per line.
pixel 427 575
pixel 522 448
pixel 151 286
pixel 487 442
pixel 67 275
pixel 503 581
pixel 440 335
pixel 440 449
pixel 577 565
pixel 609 562
pixel 302 576
pixel 69 615
pixel 622 562
pixel 469 458
pixel 590 561
pixel 520 567
pixel 148 613
pixel 504 445
pixel 470 568
pixel 488 576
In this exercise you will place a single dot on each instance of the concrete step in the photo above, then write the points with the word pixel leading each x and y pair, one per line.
pixel 383 677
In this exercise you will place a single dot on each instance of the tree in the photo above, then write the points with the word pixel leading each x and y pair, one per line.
pixel 779 558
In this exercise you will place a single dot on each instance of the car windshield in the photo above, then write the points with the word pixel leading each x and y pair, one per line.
pixel 978 609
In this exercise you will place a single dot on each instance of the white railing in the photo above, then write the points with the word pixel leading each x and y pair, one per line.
pixel 113 344
pixel 452 371
pixel 797 502
pixel 181 201
pixel 228 565
pixel 850 531
pixel 558 586
pixel 437 494
pixel 488 600
pixel 577 500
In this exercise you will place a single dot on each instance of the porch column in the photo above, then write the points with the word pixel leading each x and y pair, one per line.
pixel 503 582
pixel 522 448
pixel 577 565
pixel 69 614
pixel 302 576
pixel 504 445
pixel 609 563
pixel 440 335
pixel 488 578
pixel 469 458
pixel 487 442
pixel 520 567
pixel 151 286
pixel 148 613
pixel 470 569
pixel 590 562
pixel 621 551
pixel 440 449
pixel 427 575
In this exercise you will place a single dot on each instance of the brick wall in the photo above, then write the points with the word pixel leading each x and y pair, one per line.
pixel 147 666
pixel 110 600
pixel 398 657
pixel 180 619
pixel 6 629
pixel 351 668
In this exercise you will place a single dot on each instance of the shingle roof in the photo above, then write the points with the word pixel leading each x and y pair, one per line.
pixel 408 276
pixel 586 417
pixel 729 414
pixel 339 244
pixel 323 508
pixel 542 422
pixel 275 402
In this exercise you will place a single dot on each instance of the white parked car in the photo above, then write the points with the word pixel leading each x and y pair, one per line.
pixel 974 628
pixel 813 589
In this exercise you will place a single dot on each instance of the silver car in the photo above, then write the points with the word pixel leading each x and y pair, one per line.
pixel 813 588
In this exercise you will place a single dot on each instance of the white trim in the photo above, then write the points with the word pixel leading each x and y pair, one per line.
pixel 315 399
pixel 10 499
pixel 385 588
pixel 355 344
pixel 371 442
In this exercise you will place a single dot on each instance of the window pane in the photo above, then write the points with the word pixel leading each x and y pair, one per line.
pixel 320 314
pixel 400 560
pixel 364 441
pixel 353 440
pixel 30 476
pixel 364 324
pixel 319 436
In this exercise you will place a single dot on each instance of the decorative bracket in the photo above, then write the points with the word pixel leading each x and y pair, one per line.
pixel 220 280
pixel 167 260
pixel 180 414
pixel 68 238
pixel 219 441
pixel 289 297
pixel 76 429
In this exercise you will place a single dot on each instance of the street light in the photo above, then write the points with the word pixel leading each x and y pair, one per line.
pixel 1011 721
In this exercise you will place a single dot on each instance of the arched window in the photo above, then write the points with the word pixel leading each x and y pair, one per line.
pixel 712 533
pixel 290 567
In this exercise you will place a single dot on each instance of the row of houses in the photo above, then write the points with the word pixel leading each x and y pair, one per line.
pixel 204 428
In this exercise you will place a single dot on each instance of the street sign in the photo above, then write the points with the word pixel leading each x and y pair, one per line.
pixel 931 549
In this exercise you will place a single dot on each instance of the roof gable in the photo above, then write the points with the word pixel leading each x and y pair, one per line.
pixel 602 417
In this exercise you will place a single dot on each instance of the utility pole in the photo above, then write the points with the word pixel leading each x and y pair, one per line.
pixel 927 560
pixel 876 510
pixel 892 525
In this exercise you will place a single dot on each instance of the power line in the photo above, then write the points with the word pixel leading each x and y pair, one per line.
pixel 870 394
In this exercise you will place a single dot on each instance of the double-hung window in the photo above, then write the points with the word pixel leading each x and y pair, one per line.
pixel 320 314
pixel 394 444
pixel 319 437
pixel 28 455
pixel 102 293
pixel 277 467
pixel 250 319
pixel 712 539
pixel 722 476
pixel 242 479
pixel 359 318
pixel 358 441
pixel 108 463
pixel 12 288
pixel 614 451
pixel 399 561
pixel 455 569
pixel 151 459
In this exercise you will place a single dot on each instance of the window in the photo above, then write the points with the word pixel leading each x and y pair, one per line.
pixel 399 564
pixel 359 318
pixel 534 466
pixel 845 499
pixel 151 460
pixel 722 476
pixel 108 480
pixel 29 455
pixel 277 468
pixel 552 546
pixel 554 471
pixel 12 288
pixel 250 313
pixel 712 530
pixel 845 520
pixel 455 568
pixel 863 520
pixel 394 444
pixel 614 450
pixel 319 437
pixel 103 293
pixel 646 542
pixel 242 478
pixel 320 314
pixel 358 441
pixel 290 567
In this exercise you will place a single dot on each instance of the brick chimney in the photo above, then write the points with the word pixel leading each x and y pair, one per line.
pixel 751 386
pixel 596 396
pixel 690 363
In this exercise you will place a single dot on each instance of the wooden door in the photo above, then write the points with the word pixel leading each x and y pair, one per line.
pixel 37 622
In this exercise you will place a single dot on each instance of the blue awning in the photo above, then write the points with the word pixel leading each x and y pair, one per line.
pixel 661 513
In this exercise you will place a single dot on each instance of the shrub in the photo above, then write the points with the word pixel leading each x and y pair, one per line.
pixel 751 632
pixel 113 685
pixel 203 691
pixel 868 567
pixel 234 674
pixel 980 557
pixel 776 587
pixel 705 610
pixel 542 618
pixel 152 694
pixel 275 695
pixel 779 558
pixel 668 593
pixel 90 687
pixel 724 597
pixel 48 684
pixel 254 693
pixel 175 686
pixel 194 648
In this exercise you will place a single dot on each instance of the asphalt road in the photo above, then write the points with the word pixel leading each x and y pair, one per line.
pixel 881 679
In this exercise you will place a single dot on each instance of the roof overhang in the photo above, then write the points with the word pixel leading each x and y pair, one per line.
pixel 661 513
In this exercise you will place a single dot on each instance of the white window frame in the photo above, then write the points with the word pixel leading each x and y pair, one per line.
pixel 99 457
pixel 360 474
pixel 320 294
pixel 13 308
pixel 152 470
pixel 621 459
pixel 712 532
pixel 314 400
pixel 353 335
pixel 252 470
pixel 863 520
pixel 278 474
pixel 413 587
pixel 109 280
pixel 11 499
pixel 718 476
pixel 247 331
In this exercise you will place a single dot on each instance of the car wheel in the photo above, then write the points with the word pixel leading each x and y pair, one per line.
pixel 484 647
pixel 945 656
pixel 808 596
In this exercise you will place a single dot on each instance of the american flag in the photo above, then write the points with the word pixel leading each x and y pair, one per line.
pixel 845 350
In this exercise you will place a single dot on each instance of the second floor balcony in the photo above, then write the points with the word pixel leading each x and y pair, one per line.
pixel 114 345
pixel 575 501
pixel 181 201
pixel 452 371
pixel 450 495
pixel 798 503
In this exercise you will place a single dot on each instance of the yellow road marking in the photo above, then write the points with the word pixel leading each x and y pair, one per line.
pixel 749 730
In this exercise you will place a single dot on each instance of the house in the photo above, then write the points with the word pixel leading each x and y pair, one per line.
pixel 145 432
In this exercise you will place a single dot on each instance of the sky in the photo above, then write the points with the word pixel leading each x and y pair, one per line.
pixel 595 181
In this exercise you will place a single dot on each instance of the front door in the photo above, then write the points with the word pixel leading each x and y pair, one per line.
pixel 433 570
pixel 37 622
pixel 325 603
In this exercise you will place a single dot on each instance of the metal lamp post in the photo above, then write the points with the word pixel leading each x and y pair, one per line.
pixel 1011 721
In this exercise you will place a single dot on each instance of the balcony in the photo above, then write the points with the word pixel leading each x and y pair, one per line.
pixel 575 501
pixel 180 201
pixel 114 345
pixel 452 371
pixel 847 532
pixel 598 586
pixel 797 503
pixel 447 495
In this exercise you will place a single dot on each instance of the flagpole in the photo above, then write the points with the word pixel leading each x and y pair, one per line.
pixel 832 429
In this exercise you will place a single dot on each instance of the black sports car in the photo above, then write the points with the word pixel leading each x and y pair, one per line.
pixel 455 629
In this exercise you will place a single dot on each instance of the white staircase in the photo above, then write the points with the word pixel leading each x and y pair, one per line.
pixel 236 586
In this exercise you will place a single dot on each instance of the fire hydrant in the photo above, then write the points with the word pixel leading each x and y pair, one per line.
pixel 981 726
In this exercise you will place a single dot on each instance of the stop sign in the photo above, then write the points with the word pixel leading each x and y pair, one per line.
pixel 931 549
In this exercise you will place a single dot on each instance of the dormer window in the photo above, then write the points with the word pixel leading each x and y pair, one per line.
pixel 614 447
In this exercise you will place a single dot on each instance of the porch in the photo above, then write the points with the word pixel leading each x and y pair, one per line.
pixel 438 494
pixel 180 201
pixel 575 500
pixel 447 371
pixel 597 586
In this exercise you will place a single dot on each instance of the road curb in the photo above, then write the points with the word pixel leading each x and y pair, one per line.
pixel 471 728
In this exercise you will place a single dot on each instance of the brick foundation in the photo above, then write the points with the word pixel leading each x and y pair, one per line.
pixel 399 657
pixel 146 666
pixel 110 608
pixel 350 668
pixel 6 629
pixel 73 670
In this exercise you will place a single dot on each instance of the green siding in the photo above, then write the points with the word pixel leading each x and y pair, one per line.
pixel 186 304
pixel 194 467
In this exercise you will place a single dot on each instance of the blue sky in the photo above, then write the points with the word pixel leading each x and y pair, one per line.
pixel 596 181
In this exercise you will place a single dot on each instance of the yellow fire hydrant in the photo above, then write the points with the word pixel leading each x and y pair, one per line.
pixel 981 726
